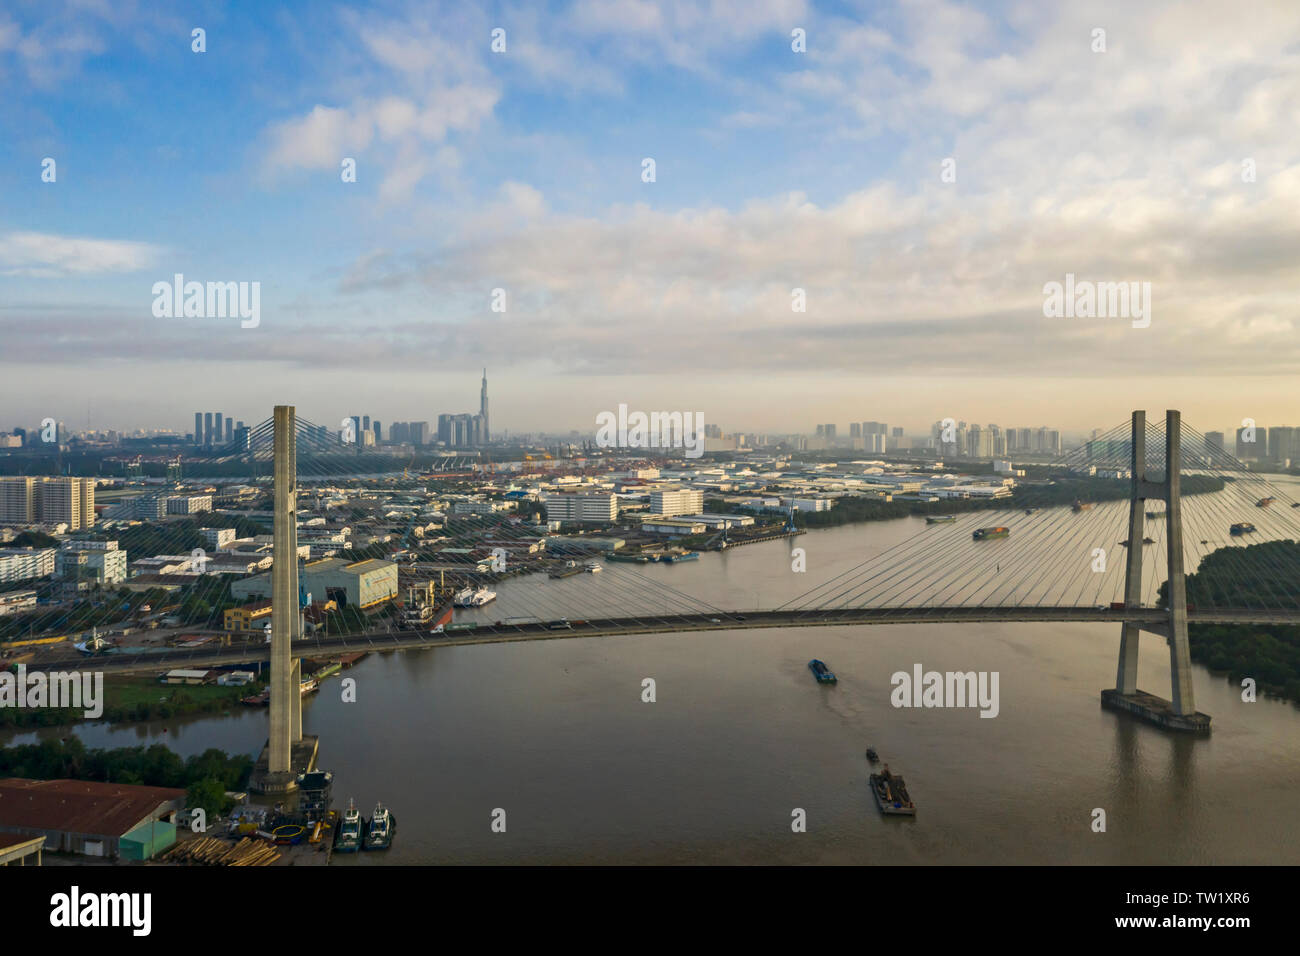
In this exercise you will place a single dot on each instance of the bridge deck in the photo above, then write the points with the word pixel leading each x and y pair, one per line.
pixel 659 624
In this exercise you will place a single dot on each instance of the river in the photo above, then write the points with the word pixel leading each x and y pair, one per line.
pixel 556 734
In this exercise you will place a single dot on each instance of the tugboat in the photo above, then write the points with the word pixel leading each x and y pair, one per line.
pixel 349 836
pixel 1242 527
pixel 1264 502
pixel 872 755
pixel 980 534
pixel 891 794
pixel 380 834
pixel 823 673
pixel 1080 505
pixel 593 567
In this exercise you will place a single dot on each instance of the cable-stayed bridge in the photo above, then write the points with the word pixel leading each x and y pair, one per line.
pixel 1106 534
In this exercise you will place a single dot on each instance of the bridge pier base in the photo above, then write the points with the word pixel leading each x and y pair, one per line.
pixel 1180 713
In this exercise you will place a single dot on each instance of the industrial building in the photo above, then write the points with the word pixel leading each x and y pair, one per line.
pixel 360 584
pixel 113 820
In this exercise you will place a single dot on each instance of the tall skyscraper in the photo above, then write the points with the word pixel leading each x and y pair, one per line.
pixel 483 408
pixel 207 428
pixel 198 428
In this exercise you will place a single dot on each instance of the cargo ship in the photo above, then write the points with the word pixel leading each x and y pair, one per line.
pixel 891 794
pixel 980 534
pixel 1242 527
pixel 823 673
pixel 941 519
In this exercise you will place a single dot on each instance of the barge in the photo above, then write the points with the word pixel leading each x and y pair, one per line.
pixel 891 794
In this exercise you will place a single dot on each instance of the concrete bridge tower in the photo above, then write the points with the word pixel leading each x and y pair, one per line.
pixel 1179 713
pixel 287 752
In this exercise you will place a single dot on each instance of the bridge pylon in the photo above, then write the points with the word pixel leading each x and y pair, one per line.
pixel 1180 713
pixel 287 751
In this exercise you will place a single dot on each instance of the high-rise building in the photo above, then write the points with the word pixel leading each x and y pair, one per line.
pixel 855 429
pixel 483 408
pixel 207 428
pixel 69 501
pixel 676 501
pixel 198 428
pixel 419 433
pixel 379 432
pixel 17 500
pixel 1282 444
pixel 230 429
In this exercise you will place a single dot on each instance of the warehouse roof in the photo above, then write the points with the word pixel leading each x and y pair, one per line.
pixel 80 806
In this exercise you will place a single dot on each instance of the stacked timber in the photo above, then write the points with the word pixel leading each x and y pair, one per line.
pixel 210 851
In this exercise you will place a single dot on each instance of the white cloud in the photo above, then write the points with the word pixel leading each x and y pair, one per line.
pixel 44 255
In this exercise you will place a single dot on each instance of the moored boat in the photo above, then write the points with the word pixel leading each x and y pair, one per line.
pixel 379 835
pixel 940 519
pixel 350 833
pixel 463 597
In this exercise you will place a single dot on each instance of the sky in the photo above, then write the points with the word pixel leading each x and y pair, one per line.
pixel 921 170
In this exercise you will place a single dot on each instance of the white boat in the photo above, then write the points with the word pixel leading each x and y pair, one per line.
pixel 482 596
pixel 464 598
pixel 593 567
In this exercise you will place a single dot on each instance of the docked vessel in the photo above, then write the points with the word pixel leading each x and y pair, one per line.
pixel 568 570
pixel 1242 527
pixel 823 673
pixel 941 519
pixel 980 534
pixel 349 837
pixel 469 598
pixel 630 558
pixel 686 556
pixel 379 835
pixel 891 794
